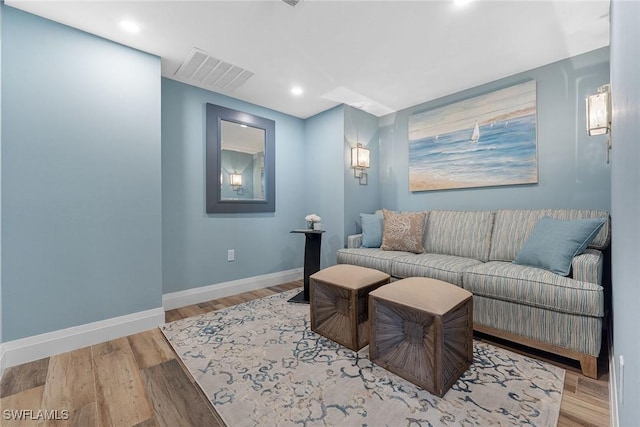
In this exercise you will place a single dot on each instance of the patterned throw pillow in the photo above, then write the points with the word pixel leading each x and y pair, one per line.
pixel 403 231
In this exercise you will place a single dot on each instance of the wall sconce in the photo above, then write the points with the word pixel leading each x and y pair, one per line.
pixel 235 180
pixel 360 162
pixel 599 114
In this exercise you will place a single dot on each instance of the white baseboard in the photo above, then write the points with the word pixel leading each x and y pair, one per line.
pixel 44 345
pixel 225 289
pixel 36 347
pixel 2 360
pixel 614 421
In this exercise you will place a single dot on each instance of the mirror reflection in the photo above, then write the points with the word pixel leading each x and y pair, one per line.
pixel 241 162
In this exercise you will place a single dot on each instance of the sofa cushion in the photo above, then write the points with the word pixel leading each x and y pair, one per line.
pixel 369 257
pixel 463 234
pixel 448 268
pixel 554 243
pixel 512 227
pixel 403 231
pixel 535 287
pixel 371 230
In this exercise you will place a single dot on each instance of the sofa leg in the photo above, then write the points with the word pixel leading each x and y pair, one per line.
pixel 589 365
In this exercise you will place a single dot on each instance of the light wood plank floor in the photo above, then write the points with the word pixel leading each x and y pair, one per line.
pixel 139 381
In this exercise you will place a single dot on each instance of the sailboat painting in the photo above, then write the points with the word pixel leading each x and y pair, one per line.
pixel 475 136
pixel 489 140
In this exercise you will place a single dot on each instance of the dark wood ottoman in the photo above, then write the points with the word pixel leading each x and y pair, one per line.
pixel 422 331
pixel 339 303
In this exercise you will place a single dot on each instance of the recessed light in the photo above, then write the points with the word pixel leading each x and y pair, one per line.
pixel 297 90
pixel 461 3
pixel 129 26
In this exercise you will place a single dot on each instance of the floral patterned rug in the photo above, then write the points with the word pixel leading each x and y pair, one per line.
pixel 261 365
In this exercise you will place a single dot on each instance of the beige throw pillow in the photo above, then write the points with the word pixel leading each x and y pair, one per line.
pixel 403 231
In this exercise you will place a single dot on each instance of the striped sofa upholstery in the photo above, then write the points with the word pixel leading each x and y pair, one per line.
pixel 536 307
pixel 369 257
pixel 464 234
pixel 448 268
pixel 512 227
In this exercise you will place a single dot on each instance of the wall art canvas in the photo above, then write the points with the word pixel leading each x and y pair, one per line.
pixel 488 140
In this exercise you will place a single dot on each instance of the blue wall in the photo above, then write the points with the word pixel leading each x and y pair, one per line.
pixel 324 179
pixel 572 168
pixel 195 243
pixel 1 19
pixel 361 127
pixel 81 208
pixel 625 203
pixel 103 185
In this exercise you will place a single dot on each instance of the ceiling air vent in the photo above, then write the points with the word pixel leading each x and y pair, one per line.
pixel 206 70
pixel 291 2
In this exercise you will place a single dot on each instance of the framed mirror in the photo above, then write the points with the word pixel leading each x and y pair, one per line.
pixel 240 162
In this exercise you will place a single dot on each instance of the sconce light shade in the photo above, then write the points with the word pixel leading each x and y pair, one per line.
pixel 235 180
pixel 359 157
pixel 599 112
pixel 360 162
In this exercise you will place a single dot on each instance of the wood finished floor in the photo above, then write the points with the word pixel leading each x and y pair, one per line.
pixel 139 381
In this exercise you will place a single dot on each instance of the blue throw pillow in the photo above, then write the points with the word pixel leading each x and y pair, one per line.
pixel 371 230
pixel 553 243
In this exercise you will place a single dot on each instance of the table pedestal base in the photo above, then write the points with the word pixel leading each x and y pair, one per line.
pixel 299 298
pixel 313 240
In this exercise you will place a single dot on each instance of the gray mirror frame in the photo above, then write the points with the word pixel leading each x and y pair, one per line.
pixel 214 202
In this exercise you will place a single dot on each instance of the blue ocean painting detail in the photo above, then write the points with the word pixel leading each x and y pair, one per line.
pixel 489 140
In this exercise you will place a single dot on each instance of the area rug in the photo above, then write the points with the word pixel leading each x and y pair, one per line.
pixel 261 365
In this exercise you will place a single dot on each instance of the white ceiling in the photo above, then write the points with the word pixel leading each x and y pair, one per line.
pixel 380 56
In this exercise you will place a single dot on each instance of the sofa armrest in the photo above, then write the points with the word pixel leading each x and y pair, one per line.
pixel 354 241
pixel 587 267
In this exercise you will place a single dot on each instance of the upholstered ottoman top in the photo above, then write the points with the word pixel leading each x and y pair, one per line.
pixel 430 295
pixel 349 276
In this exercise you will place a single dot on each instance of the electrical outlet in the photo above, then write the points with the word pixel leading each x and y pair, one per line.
pixel 231 255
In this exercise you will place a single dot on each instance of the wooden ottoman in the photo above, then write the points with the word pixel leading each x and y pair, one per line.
pixel 339 303
pixel 422 331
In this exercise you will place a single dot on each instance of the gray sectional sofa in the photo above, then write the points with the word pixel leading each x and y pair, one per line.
pixel 524 304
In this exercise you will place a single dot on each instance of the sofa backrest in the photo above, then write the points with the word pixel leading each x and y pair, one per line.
pixel 512 228
pixel 460 233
